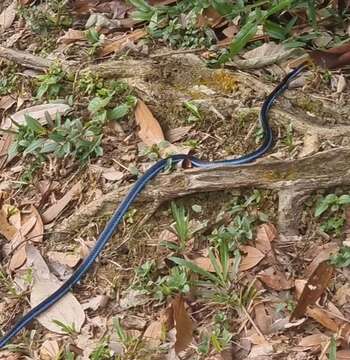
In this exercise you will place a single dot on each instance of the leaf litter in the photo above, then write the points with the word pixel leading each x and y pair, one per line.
pixel 257 261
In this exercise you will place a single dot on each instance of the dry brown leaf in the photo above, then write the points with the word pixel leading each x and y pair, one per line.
pixel 204 263
pixel 154 334
pixel 68 310
pixel 174 135
pixel 209 18
pixel 6 229
pixel 314 288
pixel 275 279
pixel 263 321
pixel 113 175
pixel 313 340
pixel 72 36
pixel 342 296
pixel 37 232
pixel 251 259
pixel 311 144
pixel 49 350
pixel 68 259
pixel 265 235
pixel 121 42
pixel 96 302
pixel 7 17
pixel 183 324
pixel 322 317
pixel 37 112
pixel 299 287
pixel 20 255
pixel 150 131
pixel 343 355
pixel 54 210
pixel 323 253
pixel 5 143
pixel 6 102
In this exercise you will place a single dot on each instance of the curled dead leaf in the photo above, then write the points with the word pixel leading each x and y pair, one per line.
pixel 251 259
pixel 183 324
pixel 54 210
pixel 275 279
pixel 314 288
pixel 150 131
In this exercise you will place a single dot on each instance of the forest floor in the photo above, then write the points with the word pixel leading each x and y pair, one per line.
pixel 247 262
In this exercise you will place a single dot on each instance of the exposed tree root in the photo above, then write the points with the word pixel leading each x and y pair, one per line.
pixel 292 179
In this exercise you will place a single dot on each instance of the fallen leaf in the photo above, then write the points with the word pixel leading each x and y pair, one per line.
pixel 37 232
pixel 68 310
pixel 174 135
pixel 313 340
pixel 183 324
pixel 342 295
pixel 7 17
pixel 150 131
pixel 72 36
pixel 6 229
pixel 209 18
pixel 266 54
pixel 18 242
pixel 5 143
pixel 37 112
pixel 314 288
pixel 265 235
pixel 64 258
pixel 132 298
pixel 343 355
pixel 263 321
pixel 121 42
pixel 275 279
pixel 251 259
pixel 332 58
pixel 323 253
pixel 96 302
pixel 299 287
pixel 6 102
pixel 49 350
pixel 260 351
pixel 113 175
pixel 341 84
pixel 322 318
pixel 54 210
pixel 204 263
pixel 311 145
pixel 153 335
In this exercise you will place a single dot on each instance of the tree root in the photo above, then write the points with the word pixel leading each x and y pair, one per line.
pixel 293 180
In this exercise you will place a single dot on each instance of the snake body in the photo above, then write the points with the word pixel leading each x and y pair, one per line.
pixel 138 186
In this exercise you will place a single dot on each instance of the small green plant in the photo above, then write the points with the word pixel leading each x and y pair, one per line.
pixel 68 138
pixel 174 283
pixel 288 139
pixel 89 83
pixel 101 352
pixel 69 329
pixel 220 337
pixel 95 40
pixel 333 225
pixel 221 263
pixel 43 19
pixel 259 134
pixel 331 202
pixel 342 259
pixel 195 115
pixel 182 224
pixel 332 351
pixel 8 79
pixel 128 341
pixel 51 83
